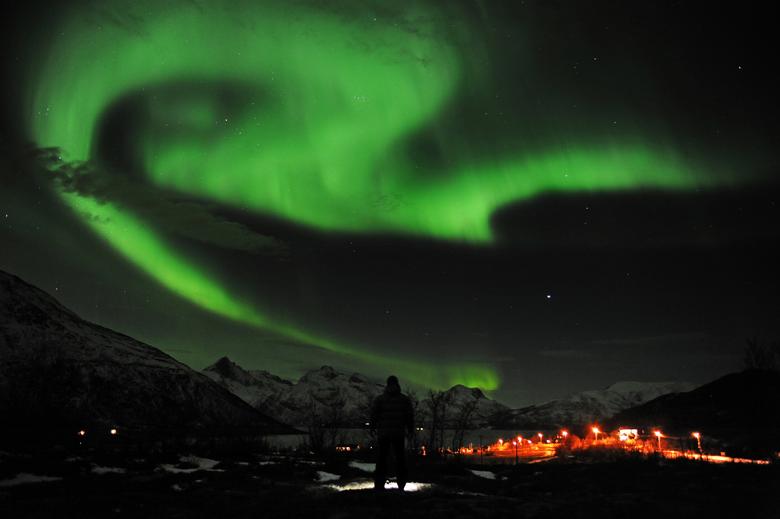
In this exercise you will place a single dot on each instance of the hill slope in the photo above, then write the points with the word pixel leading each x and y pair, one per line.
pixel 62 371
pixel 742 409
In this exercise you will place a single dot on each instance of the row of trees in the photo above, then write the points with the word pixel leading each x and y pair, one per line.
pixel 437 413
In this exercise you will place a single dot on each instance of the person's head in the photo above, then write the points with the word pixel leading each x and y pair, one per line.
pixel 392 382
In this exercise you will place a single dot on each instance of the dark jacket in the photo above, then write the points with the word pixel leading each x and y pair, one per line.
pixel 392 414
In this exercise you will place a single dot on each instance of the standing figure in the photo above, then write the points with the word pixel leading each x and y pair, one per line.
pixel 391 418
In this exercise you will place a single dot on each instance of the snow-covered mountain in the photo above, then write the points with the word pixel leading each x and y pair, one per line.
pixel 323 395
pixel 589 406
pixel 332 397
pixel 467 405
pixel 62 371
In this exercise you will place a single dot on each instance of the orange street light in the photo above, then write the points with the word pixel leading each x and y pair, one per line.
pixel 540 437
pixel 659 435
pixel 596 432
pixel 514 442
pixel 564 435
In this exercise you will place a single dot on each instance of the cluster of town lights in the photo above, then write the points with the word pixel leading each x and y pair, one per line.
pixel 541 444
pixel 113 432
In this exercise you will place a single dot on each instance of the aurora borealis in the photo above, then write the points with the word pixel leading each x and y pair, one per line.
pixel 223 142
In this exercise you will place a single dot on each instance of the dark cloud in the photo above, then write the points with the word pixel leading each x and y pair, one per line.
pixel 192 220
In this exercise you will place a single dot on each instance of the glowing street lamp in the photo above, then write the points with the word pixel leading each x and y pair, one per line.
pixel 514 442
pixel 596 432
pixel 564 435
pixel 82 433
pixel 113 432
pixel 659 435
pixel 540 437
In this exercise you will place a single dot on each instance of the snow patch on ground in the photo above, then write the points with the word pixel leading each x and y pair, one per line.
pixel 365 467
pixel 323 476
pixel 96 469
pixel 483 474
pixel 25 478
pixel 201 464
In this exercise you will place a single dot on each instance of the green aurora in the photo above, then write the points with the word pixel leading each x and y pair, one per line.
pixel 321 144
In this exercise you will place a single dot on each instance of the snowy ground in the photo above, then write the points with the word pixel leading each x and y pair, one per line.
pixel 277 486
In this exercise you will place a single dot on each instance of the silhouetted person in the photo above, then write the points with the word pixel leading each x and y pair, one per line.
pixel 391 417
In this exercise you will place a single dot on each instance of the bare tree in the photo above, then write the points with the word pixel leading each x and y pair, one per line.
pixel 761 355
pixel 315 425
pixel 462 422
pixel 437 403
pixel 415 400
pixel 324 422
pixel 335 421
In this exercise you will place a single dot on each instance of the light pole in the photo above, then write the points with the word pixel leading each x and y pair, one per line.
pixel 514 442
pixel 596 432
pixel 697 435
pixel 540 435
pixel 658 435
pixel 481 448
pixel 564 435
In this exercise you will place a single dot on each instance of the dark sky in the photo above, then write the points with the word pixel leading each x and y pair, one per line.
pixel 538 197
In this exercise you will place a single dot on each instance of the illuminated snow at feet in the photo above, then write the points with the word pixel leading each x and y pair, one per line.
pixel 411 486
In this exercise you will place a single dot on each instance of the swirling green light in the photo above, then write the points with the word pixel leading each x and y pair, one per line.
pixel 319 145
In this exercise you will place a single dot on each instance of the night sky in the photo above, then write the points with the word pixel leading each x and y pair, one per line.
pixel 533 197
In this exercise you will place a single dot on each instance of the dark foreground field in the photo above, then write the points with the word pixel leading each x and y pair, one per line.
pixel 263 486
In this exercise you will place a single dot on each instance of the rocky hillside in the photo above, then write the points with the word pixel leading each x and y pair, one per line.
pixel 59 372
pixel 322 395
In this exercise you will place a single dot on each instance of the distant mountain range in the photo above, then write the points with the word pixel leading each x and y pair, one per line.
pixel 327 394
pixel 587 407
pixel 60 373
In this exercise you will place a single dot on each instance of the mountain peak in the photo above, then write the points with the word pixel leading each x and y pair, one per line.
pixel 460 389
